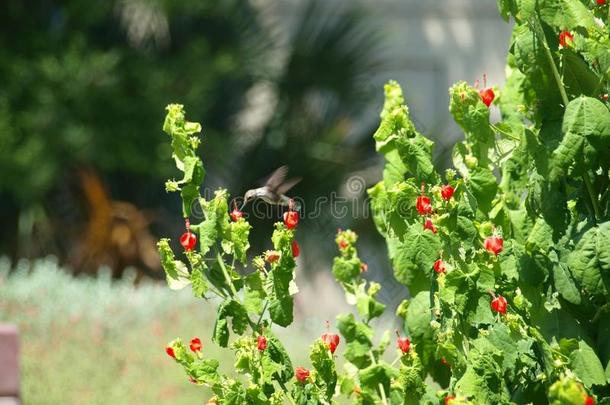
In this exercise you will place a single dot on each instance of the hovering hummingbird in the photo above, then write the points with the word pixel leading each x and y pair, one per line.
pixel 273 192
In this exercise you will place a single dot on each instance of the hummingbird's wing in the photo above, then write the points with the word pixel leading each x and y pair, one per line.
pixel 287 185
pixel 277 178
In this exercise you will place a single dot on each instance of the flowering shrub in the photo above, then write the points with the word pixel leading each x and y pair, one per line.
pixel 507 257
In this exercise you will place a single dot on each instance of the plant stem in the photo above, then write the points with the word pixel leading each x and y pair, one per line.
pixel 592 196
pixel 260 319
pixel 226 274
pixel 540 34
pixel 286 392
pixel 506 134
pixel 384 400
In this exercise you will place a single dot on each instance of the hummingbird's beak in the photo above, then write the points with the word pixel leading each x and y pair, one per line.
pixel 243 205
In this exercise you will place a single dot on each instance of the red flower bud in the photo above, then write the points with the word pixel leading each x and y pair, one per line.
pixel 331 340
pixel 170 352
pixel 301 373
pixel 343 244
pixel 188 240
pixel 291 219
pixel 429 225
pixel 487 96
pixel 566 38
pixel 448 399
pixel 499 304
pixel 404 344
pixel 589 400
pixel 601 3
pixel 439 266
pixel 423 205
pixel 236 215
pixel 272 256
pixel 447 191
pixel 196 345
pixel 296 250
pixel 494 244
pixel 261 343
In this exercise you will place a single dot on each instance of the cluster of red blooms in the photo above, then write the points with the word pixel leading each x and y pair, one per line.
pixel 493 244
pixel 424 206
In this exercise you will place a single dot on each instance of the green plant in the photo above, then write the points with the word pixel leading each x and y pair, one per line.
pixel 507 259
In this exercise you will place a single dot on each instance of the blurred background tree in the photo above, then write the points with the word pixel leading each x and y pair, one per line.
pixel 83 96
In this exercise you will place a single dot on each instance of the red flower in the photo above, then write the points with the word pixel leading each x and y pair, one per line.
pixel 566 38
pixel 404 344
pixel 589 400
pixel 272 256
pixel 261 343
pixel 331 340
pixel 343 244
pixel 447 191
pixel 601 3
pixel 291 219
pixel 196 345
pixel 494 244
pixel 188 240
pixel 439 266
pixel 429 225
pixel 301 373
pixel 448 399
pixel 236 215
pixel 423 205
pixel 170 352
pixel 499 304
pixel 296 250
pixel 487 95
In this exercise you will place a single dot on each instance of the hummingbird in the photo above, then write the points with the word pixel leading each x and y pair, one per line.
pixel 273 192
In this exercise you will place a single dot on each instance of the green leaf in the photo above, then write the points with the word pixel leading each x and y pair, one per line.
pixel 345 270
pixel 415 257
pixel 324 364
pixel 584 263
pixel 281 309
pixel 377 374
pixel 564 283
pixel 472 115
pixel 167 258
pixel 254 293
pixel 540 237
pixel 234 310
pixel 483 379
pixel 205 371
pixel 278 354
pixel 237 242
pixel 483 185
pixel 353 330
pixel 199 282
pixel 416 153
pixel 577 76
pixel 419 314
pixel 586 365
pixel 586 125
pixel 482 314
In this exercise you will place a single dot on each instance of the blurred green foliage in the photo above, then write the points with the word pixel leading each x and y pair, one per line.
pixel 86 82
pixel 84 85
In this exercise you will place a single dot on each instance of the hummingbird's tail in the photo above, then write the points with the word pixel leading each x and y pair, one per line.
pixel 290 203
